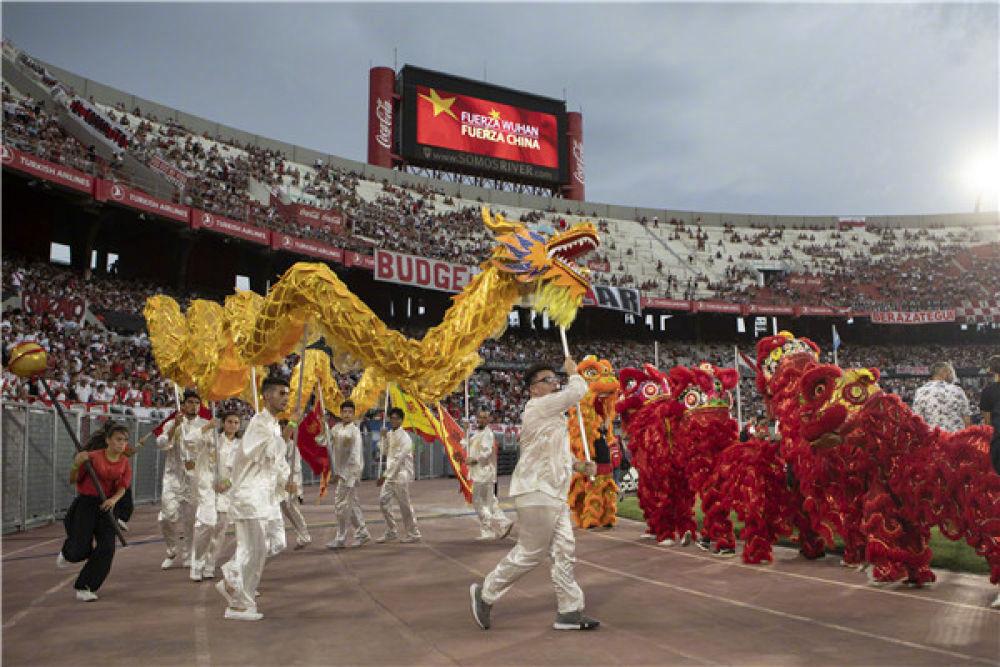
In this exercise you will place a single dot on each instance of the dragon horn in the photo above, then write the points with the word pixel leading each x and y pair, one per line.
pixel 497 224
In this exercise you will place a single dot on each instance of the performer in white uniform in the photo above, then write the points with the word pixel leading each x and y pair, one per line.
pixel 482 462
pixel 253 498
pixel 180 440
pixel 214 481
pixel 539 486
pixel 290 501
pixel 395 482
pixel 348 464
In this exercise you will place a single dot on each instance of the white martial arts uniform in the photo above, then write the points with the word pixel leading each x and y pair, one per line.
pixel 253 501
pixel 398 475
pixel 492 522
pixel 177 499
pixel 212 516
pixel 275 529
pixel 539 486
pixel 290 502
pixel 348 464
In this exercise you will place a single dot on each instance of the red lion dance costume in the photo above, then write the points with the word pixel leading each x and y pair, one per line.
pixel 911 476
pixel 702 432
pixel 781 362
pixel 748 477
pixel 647 409
pixel 595 503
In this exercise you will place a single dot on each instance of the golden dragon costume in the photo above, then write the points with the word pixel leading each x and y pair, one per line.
pixel 595 503
pixel 214 346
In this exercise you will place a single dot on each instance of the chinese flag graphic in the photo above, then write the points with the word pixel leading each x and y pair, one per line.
pixel 474 125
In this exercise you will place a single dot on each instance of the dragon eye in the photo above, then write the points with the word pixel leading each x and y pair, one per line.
pixel 649 389
pixel 820 389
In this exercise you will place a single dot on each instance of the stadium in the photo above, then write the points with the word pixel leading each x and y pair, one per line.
pixel 128 225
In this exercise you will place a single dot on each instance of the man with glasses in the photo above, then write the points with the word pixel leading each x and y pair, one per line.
pixel 539 486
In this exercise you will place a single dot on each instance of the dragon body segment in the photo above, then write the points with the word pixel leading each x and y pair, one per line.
pixel 214 346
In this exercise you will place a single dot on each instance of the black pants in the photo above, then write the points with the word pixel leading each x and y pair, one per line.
pixel 90 537
pixel 125 506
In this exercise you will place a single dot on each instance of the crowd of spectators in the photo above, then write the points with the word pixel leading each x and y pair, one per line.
pixel 28 127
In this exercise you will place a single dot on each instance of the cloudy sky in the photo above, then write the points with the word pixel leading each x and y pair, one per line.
pixel 759 108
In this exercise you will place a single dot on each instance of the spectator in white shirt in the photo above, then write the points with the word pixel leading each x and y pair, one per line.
pixel 941 402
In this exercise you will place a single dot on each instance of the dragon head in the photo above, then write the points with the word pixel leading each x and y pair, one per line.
pixel 830 397
pixel 640 388
pixel 773 350
pixel 546 263
pixel 704 387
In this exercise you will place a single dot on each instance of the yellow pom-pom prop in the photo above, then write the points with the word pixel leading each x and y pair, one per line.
pixel 27 359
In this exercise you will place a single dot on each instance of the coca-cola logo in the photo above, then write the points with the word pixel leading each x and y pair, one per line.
pixel 117 192
pixel 206 220
pixel 578 173
pixel 7 155
pixel 383 112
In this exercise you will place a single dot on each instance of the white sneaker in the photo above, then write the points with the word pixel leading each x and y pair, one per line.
pixel 245 615
pixel 647 536
pixel 996 603
pixel 195 576
pixel 386 538
pixel 61 562
pixel 167 563
pixel 224 592
pixel 483 538
pixel 122 525
pixel 410 539
pixel 85 595
pixel 336 544
pixel 208 574
pixel 667 543
pixel 187 561
pixel 363 540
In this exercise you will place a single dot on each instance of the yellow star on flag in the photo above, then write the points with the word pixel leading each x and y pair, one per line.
pixel 494 114
pixel 440 105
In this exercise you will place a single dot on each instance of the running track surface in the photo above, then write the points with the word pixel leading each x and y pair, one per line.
pixel 409 605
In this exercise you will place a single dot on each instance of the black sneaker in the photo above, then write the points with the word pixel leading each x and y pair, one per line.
pixel 726 553
pixel 705 544
pixel 575 620
pixel 480 610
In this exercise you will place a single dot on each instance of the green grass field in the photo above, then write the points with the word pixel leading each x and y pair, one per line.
pixel 948 555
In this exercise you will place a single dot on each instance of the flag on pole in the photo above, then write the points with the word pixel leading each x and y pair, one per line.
pixel 416 418
pixel 836 338
pixel 314 454
pixel 451 436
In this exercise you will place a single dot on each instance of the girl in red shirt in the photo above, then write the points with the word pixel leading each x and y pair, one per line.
pixel 90 535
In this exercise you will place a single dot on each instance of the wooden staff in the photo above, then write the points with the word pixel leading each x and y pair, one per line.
pixel 579 412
